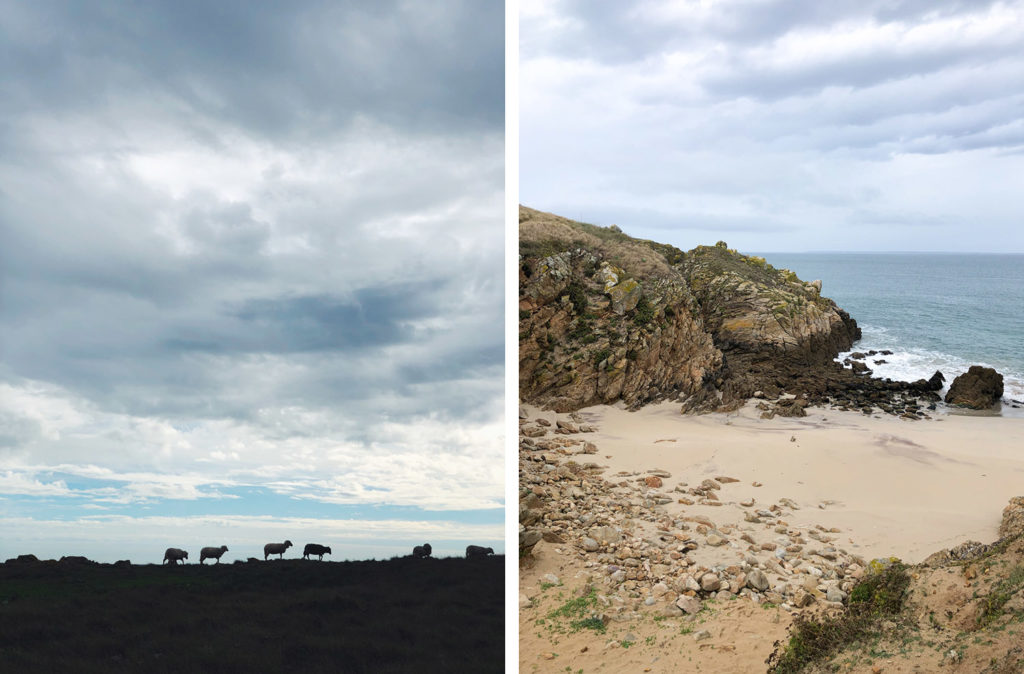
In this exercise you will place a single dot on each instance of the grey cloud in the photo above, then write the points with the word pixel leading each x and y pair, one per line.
pixel 619 33
pixel 332 278
pixel 375 316
pixel 296 68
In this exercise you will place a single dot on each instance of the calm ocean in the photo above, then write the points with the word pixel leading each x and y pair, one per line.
pixel 934 311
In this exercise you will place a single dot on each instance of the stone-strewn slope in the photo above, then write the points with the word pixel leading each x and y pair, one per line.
pixel 606 317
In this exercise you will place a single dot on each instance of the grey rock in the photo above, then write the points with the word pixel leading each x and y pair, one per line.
pixel 710 582
pixel 757 580
pixel 690 605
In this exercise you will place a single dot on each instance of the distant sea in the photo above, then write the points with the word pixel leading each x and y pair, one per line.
pixel 935 311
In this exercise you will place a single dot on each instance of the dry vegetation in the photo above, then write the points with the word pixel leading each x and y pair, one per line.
pixel 957 615
pixel 542 234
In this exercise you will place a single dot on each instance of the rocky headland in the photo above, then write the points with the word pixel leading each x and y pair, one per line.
pixel 605 317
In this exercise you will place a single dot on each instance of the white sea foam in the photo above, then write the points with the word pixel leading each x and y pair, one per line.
pixel 911 364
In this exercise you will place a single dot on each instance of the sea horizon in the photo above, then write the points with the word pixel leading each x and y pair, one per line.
pixel 935 311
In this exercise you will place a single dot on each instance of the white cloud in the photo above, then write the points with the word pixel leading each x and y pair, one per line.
pixel 674 119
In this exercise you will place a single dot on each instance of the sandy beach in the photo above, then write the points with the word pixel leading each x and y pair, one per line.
pixel 879 485
pixel 895 487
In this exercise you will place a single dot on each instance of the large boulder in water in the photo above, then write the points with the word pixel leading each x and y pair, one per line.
pixel 979 388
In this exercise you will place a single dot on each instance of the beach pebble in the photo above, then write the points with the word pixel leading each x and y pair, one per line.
pixel 757 580
pixel 690 605
pixel 715 540
pixel 710 582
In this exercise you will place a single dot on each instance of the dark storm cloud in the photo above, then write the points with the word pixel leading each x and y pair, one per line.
pixel 280 68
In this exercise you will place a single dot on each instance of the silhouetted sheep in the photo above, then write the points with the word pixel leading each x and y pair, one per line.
pixel 212 553
pixel 315 549
pixel 275 549
pixel 478 551
pixel 175 555
pixel 421 550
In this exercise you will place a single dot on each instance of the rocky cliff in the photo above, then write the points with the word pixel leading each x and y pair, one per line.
pixel 606 317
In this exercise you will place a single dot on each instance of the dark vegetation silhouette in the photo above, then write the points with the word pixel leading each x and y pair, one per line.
pixel 400 615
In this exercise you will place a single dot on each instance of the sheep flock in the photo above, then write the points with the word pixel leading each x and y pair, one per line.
pixel 175 556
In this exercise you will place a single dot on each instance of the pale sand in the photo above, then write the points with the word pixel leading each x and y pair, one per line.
pixel 892 486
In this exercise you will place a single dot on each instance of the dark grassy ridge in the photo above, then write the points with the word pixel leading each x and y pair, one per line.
pixel 423 615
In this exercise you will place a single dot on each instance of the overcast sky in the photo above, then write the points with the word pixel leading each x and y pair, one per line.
pixel 250 276
pixel 778 125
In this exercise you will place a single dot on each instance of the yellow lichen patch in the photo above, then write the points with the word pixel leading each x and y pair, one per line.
pixel 738 324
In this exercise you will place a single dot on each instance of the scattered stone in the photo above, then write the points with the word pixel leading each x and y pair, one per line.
pixel 710 582
pixel 690 605
pixel 757 580
pixel 1012 523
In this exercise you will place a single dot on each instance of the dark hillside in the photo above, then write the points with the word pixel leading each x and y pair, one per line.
pixel 423 615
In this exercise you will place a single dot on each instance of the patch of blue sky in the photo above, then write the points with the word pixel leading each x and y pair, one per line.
pixel 108 497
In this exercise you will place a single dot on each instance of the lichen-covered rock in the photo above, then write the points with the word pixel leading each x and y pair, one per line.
pixel 593 332
pixel 979 388
pixel 606 318
pixel 764 320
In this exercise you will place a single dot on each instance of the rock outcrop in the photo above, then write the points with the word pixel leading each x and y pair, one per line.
pixel 979 388
pixel 604 317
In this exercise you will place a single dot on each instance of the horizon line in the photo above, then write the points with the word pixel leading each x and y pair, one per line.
pixel 889 252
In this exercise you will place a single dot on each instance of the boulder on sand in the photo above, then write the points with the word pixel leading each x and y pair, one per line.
pixel 979 388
